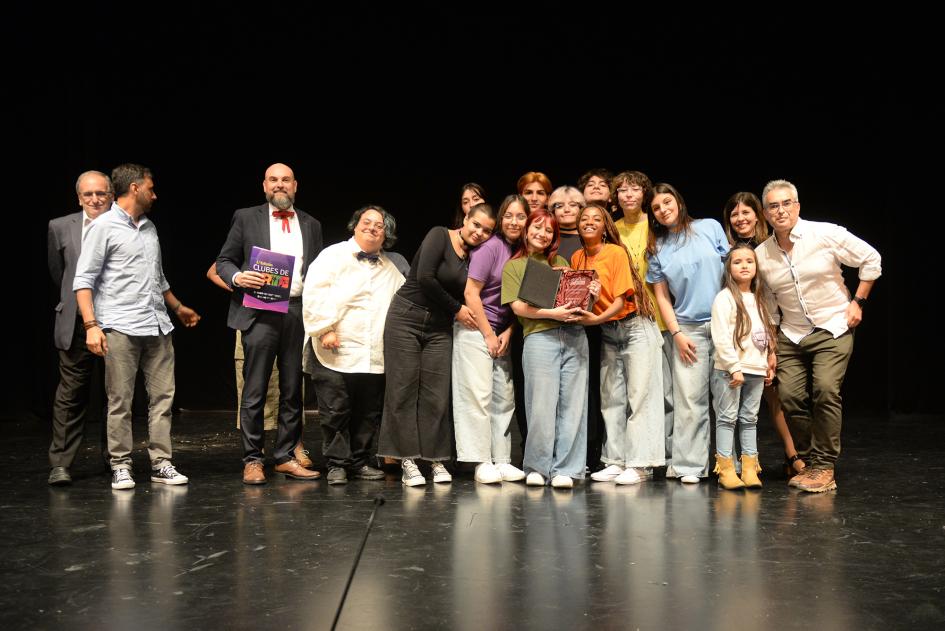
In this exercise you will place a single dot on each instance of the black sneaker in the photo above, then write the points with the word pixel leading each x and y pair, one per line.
pixel 367 472
pixel 121 479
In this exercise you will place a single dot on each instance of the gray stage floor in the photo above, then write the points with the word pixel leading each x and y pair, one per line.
pixel 218 554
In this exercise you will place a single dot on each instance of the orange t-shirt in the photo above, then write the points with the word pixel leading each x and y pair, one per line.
pixel 613 270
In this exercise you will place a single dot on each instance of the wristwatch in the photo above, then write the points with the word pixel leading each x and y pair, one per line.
pixel 859 301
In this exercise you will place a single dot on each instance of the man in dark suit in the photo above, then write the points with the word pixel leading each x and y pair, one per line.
pixel 267 335
pixel 76 363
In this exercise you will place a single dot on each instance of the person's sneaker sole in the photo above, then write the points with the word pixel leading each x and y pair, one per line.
pixel 415 481
pixel 123 485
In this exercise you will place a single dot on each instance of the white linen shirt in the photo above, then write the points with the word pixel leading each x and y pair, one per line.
pixel 807 285
pixel 351 297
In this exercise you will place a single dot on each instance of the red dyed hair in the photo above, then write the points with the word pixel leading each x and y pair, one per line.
pixel 552 250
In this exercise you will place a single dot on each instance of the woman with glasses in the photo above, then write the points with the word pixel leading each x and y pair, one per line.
pixel 483 395
pixel 744 222
pixel 630 189
pixel 631 384
pixel 685 264
pixel 566 203
pixel 418 344
pixel 555 363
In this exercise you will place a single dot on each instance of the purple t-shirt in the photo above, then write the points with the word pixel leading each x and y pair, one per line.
pixel 485 265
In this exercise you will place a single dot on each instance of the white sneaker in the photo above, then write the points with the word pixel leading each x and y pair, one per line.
pixel 411 475
pixel 510 473
pixel 562 482
pixel 689 479
pixel 535 479
pixel 121 479
pixel 167 474
pixel 486 473
pixel 629 476
pixel 607 474
pixel 440 474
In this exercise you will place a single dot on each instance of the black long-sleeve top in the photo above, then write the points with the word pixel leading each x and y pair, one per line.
pixel 437 277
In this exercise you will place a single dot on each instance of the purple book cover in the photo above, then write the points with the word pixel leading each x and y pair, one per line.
pixel 277 268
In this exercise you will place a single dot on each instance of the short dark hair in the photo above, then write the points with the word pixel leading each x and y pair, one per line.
pixel 390 224
pixel 124 175
pixel 603 174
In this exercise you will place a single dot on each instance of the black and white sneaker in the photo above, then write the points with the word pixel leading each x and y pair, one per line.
pixel 167 474
pixel 121 479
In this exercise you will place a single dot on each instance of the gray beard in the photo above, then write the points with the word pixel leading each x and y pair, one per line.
pixel 282 201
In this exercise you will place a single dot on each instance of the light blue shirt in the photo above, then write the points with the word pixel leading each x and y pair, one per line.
pixel 121 263
pixel 691 264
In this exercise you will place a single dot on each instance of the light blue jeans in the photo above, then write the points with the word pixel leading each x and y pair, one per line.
pixel 691 405
pixel 631 393
pixel 668 350
pixel 736 405
pixel 556 374
pixel 483 400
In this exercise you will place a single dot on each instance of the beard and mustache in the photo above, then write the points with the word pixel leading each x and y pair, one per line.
pixel 282 200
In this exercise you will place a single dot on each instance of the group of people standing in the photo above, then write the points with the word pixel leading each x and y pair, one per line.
pixel 444 356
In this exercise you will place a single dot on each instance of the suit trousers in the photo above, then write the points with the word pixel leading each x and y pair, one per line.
pixel 272 337
pixel 76 368
pixel 154 356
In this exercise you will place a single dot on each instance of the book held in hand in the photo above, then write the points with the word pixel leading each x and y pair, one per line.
pixel 277 269
pixel 546 288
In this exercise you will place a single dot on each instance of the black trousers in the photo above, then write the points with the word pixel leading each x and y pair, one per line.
pixel 596 432
pixel 273 337
pixel 77 367
pixel 350 406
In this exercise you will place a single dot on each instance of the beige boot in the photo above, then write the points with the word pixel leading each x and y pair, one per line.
pixel 728 479
pixel 750 469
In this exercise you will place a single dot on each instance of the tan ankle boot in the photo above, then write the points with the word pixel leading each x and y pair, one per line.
pixel 728 479
pixel 750 469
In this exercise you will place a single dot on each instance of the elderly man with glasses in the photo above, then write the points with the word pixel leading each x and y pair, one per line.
pixel 800 266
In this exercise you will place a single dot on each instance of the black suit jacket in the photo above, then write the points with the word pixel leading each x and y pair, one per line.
pixel 63 244
pixel 250 227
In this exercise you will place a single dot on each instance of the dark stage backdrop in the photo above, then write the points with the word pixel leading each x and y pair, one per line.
pixel 402 107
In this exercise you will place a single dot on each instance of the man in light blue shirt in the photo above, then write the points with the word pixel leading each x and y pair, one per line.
pixel 121 292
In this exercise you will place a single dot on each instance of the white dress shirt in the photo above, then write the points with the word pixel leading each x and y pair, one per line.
pixel 288 243
pixel 807 284
pixel 349 296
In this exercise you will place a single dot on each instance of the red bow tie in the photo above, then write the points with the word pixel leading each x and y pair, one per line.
pixel 285 216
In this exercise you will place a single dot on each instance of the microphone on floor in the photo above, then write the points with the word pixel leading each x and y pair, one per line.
pixel 378 502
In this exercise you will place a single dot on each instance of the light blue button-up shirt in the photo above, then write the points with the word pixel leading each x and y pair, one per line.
pixel 121 263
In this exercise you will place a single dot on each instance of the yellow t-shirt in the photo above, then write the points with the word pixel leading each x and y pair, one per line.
pixel 634 236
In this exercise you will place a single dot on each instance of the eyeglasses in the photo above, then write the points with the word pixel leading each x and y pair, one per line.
pixel 91 194
pixel 560 205
pixel 786 205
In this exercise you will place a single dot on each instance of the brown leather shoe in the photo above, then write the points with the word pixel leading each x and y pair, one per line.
pixel 292 469
pixel 301 454
pixel 253 472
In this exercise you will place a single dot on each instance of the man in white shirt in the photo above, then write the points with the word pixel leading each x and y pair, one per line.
pixel 800 266
pixel 270 336
pixel 348 290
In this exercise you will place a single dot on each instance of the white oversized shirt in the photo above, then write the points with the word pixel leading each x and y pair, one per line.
pixel 807 285
pixel 350 296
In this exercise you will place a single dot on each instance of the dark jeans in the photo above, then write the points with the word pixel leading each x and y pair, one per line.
pixel 418 346
pixel 273 337
pixel 596 431
pixel 350 406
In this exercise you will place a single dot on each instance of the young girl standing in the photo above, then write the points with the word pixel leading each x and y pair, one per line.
pixel 744 363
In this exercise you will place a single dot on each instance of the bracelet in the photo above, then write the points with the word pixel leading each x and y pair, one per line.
pixel 90 324
pixel 676 333
pixel 177 308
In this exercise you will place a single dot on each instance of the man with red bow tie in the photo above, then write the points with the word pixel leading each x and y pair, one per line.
pixel 267 335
